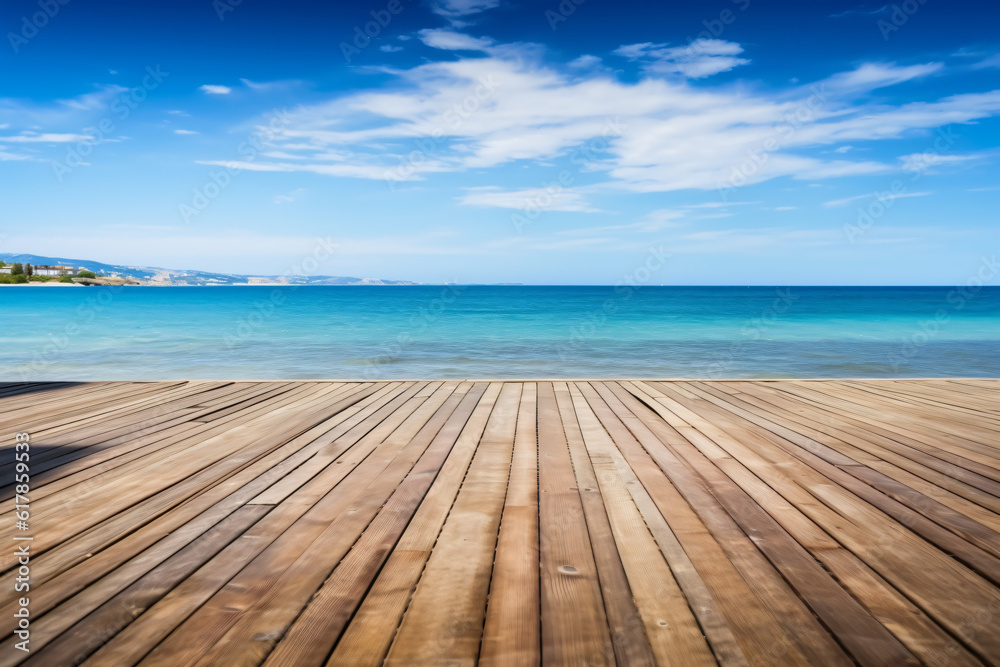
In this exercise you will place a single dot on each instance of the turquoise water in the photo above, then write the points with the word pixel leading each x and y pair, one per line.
pixel 52 333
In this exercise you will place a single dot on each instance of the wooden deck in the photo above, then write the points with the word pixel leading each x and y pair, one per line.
pixel 506 523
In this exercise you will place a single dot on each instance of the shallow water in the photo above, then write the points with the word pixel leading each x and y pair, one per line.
pixel 496 331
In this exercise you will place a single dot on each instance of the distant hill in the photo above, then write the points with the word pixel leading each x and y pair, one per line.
pixel 152 275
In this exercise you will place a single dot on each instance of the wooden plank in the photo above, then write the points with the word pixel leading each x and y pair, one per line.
pixel 764 522
pixel 71 646
pixel 444 621
pixel 628 631
pixel 906 499
pixel 152 627
pixel 861 634
pixel 315 631
pixel 83 462
pixel 512 633
pixel 574 625
pixel 278 582
pixel 902 442
pixel 671 627
pixel 773 621
pixel 954 448
pixel 863 448
pixel 765 456
pixel 96 553
pixel 367 639
pixel 710 617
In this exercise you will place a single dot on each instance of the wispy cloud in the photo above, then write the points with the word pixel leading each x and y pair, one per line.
pixel 450 40
pixel 561 199
pixel 211 89
pixel 992 61
pixel 925 162
pixel 876 196
pixel 861 11
pixel 872 76
pixel 185 132
pixel 668 134
pixel 289 197
pixel 44 138
pixel 462 8
pixel 700 58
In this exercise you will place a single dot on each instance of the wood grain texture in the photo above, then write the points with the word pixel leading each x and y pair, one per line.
pixel 629 522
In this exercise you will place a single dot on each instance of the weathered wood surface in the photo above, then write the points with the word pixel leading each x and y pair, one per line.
pixel 509 523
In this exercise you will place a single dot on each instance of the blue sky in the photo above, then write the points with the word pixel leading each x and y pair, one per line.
pixel 549 142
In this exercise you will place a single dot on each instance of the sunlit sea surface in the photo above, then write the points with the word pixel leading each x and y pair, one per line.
pixel 98 333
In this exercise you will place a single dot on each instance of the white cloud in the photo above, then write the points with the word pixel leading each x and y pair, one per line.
pixel 185 132
pixel 72 113
pixel 289 197
pixel 453 41
pixel 459 8
pixel 389 48
pixel 923 162
pixel 210 89
pixel 887 196
pixel 262 86
pixel 871 76
pixel 46 138
pixel 843 149
pixel 656 134
pixel 585 62
pixel 700 58
pixel 992 61
pixel 552 199
pixel 785 208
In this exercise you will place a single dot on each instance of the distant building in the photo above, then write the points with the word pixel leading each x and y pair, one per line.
pixel 53 270
pixel 43 269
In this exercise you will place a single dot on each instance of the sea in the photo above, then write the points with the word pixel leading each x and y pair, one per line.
pixel 474 331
